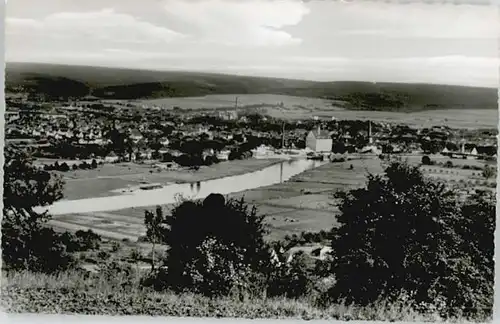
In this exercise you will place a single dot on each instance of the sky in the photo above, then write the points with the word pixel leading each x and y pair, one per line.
pixel 314 40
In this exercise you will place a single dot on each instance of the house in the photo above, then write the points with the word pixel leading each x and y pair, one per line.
pixel 228 115
pixel 223 155
pixel 371 149
pixel 319 140
pixel 164 141
pixel 136 136
pixel 111 157
pixel 322 252
pixel 262 151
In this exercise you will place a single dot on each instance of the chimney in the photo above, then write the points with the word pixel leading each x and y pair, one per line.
pixel 319 129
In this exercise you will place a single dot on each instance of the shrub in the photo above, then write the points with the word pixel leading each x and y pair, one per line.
pixel 488 172
pixel 292 280
pixel 426 160
pixel 402 233
pixel 64 167
pixel 115 246
pixel 27 244
pixel 227 231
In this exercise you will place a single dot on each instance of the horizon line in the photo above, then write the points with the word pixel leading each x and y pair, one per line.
pixel 245 75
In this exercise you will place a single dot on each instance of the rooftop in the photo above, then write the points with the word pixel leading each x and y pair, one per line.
pixel 321 134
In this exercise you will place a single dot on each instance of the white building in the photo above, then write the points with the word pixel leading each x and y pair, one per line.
pixel 223 155
pixel 111 158
pixel 261 151
pixel 319 141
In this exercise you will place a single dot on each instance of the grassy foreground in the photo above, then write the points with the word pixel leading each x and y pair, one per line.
pixel 72 293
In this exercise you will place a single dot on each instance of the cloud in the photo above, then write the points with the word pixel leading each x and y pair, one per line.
pixel 17 23
pixel 242 22
pixel 419 20
pixel 103 25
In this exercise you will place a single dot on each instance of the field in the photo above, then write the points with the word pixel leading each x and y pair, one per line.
pixel 111 179
pixel 304 203
pixel 301 204
pixel 305 108
pixel 244 100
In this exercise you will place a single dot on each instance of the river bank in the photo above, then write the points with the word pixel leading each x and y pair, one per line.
pixel 110 179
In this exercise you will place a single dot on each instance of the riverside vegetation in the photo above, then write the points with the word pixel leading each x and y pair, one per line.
pixel 406 249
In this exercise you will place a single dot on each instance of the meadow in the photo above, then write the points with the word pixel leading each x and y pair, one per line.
pixel 304 203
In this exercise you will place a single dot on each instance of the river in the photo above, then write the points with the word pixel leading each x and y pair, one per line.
pixel 274 174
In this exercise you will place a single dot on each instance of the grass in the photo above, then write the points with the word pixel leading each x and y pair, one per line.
pixel 72 293
pixel 300 204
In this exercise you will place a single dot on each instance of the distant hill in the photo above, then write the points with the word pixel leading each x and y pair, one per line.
pixel 51 82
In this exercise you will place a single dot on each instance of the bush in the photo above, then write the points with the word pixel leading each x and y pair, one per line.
pixel 426 160
pixel 226 232
pixel 401 234
pixel 27 244
pixel 292 280
pixel 489 172
pixel 64 167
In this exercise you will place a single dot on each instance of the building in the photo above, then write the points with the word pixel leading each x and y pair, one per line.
pixel 228 115
pixel 223 155
pixel 111 158
pixel 319 140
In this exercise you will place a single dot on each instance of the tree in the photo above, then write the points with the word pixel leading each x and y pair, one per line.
pixel 94 164
pixel 26 243
pixel 154 230
pixel 232 232
pixel 478 216
pixel 401 234
pixel 426 160
pixel 64 167
pixel 488 172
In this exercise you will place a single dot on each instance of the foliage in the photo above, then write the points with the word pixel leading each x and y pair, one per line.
pixel 26 243
pixel 426 160
pixel 402 234
pixel 293 279
pixel 220 226
pixel 217 268
pixel 489 172
pixel 133 84
pixel 154 230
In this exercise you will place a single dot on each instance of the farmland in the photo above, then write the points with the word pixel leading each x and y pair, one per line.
pixel 111 179
pixel 304 108
pixel 304 203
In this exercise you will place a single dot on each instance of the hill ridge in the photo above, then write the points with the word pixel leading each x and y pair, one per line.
pixel 57 81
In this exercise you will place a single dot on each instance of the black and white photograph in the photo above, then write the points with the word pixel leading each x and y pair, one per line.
pixel 250 159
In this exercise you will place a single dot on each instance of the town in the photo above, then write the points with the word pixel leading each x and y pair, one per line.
pixel 111 133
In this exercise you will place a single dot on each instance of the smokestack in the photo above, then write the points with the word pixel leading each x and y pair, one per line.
pixel 370 132
pixel 319 129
